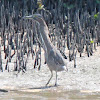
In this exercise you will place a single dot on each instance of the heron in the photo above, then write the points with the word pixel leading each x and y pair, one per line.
pixel 53 57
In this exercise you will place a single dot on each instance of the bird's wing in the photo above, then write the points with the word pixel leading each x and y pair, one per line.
pixel 57 57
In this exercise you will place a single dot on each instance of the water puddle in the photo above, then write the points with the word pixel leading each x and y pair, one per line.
pixel 51 93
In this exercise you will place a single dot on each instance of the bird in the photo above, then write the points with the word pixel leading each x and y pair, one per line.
pixel 54 59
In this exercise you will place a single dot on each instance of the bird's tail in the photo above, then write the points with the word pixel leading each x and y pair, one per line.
pixel 65 68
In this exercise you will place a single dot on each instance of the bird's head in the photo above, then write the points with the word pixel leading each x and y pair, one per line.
pixel 36 17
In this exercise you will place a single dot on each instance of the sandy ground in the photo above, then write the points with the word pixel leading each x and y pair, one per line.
pixel 84 78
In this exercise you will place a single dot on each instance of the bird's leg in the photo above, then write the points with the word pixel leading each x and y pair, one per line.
pixel 50 78
pixel 56 79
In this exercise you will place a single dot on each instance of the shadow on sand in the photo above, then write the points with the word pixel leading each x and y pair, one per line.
pixel 44 87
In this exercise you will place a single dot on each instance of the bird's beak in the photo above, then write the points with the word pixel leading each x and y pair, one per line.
pixel 28 17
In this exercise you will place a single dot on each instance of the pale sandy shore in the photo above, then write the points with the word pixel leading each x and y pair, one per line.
pixel 85 77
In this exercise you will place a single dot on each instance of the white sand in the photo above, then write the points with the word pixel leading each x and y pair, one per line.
pixel 86 76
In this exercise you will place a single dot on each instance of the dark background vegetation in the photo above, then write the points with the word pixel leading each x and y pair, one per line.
pixel 75 23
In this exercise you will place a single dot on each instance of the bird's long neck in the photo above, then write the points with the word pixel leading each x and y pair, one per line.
pixel 44 32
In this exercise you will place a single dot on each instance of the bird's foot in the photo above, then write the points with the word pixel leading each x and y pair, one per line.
pixel 74 66
pixel 56 85
pixel 46 85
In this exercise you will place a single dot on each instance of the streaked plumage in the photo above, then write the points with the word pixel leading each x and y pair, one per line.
pixel 53 57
